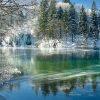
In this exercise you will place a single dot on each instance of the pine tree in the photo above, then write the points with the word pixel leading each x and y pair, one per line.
pixel 99 21
pixel 83 23
pixel 94 23
pixel 65 19
pixel 66 1
pixel 52 9
pixel 72 21
pixel 60 20
pixel 43 17
pixel 51 17
pixel 60 13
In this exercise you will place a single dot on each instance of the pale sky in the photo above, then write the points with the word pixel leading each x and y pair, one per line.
pixel 86 3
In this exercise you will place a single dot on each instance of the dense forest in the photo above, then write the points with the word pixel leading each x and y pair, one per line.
pixel 22 24
pixel 61 20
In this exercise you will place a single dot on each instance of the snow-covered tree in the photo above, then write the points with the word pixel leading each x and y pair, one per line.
pixel 43 17
pixel 72 21
pixel 51 18
pixel 60 13
pixel 9 15
pixel 60 20
pixel 83 29
pixel 99 21
pixel 66 1
pixel 94 23
pixel 66 19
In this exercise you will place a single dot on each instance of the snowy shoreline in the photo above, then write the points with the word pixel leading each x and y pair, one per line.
pixel 27 40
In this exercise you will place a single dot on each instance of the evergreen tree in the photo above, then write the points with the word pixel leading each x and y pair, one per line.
pixel 72 21
pixel 65 19
pixel 52 9
pixel 51 17
pixel 60 13
pixel 83 23
pixel 94 23
pixel 43 17
pixel 99 21
pixel 60 20
pixel 66 1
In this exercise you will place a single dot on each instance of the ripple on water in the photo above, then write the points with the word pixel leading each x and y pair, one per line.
pixel 53 76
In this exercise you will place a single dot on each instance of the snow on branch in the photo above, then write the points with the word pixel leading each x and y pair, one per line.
pixel 65 6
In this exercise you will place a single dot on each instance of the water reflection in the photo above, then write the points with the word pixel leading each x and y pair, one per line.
pixel 73 86
pixel 34 61
pixel 65 86
pixel 51 73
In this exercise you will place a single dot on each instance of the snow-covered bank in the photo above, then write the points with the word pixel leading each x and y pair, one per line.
pixel 55 44
pixel 79 41
pixel 6 73
pixel 20 40
pixel 28 40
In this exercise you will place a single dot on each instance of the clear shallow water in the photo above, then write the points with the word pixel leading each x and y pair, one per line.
pixel 49 74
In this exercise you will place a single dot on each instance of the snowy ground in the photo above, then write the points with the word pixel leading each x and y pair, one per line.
pixel 27 40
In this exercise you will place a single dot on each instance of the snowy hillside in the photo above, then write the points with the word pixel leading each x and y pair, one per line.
pixel 51 24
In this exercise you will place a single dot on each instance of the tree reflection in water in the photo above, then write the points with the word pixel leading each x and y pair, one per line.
pixel 47 87
pixel 52 72
pixel 65 86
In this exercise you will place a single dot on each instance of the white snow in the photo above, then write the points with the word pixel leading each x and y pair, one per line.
pixel 55 44
pixel 25 39
pixel 7 72
pixel 21 40
pixel 65 6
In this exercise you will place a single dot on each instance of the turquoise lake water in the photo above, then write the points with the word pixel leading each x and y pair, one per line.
pixel 49 74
